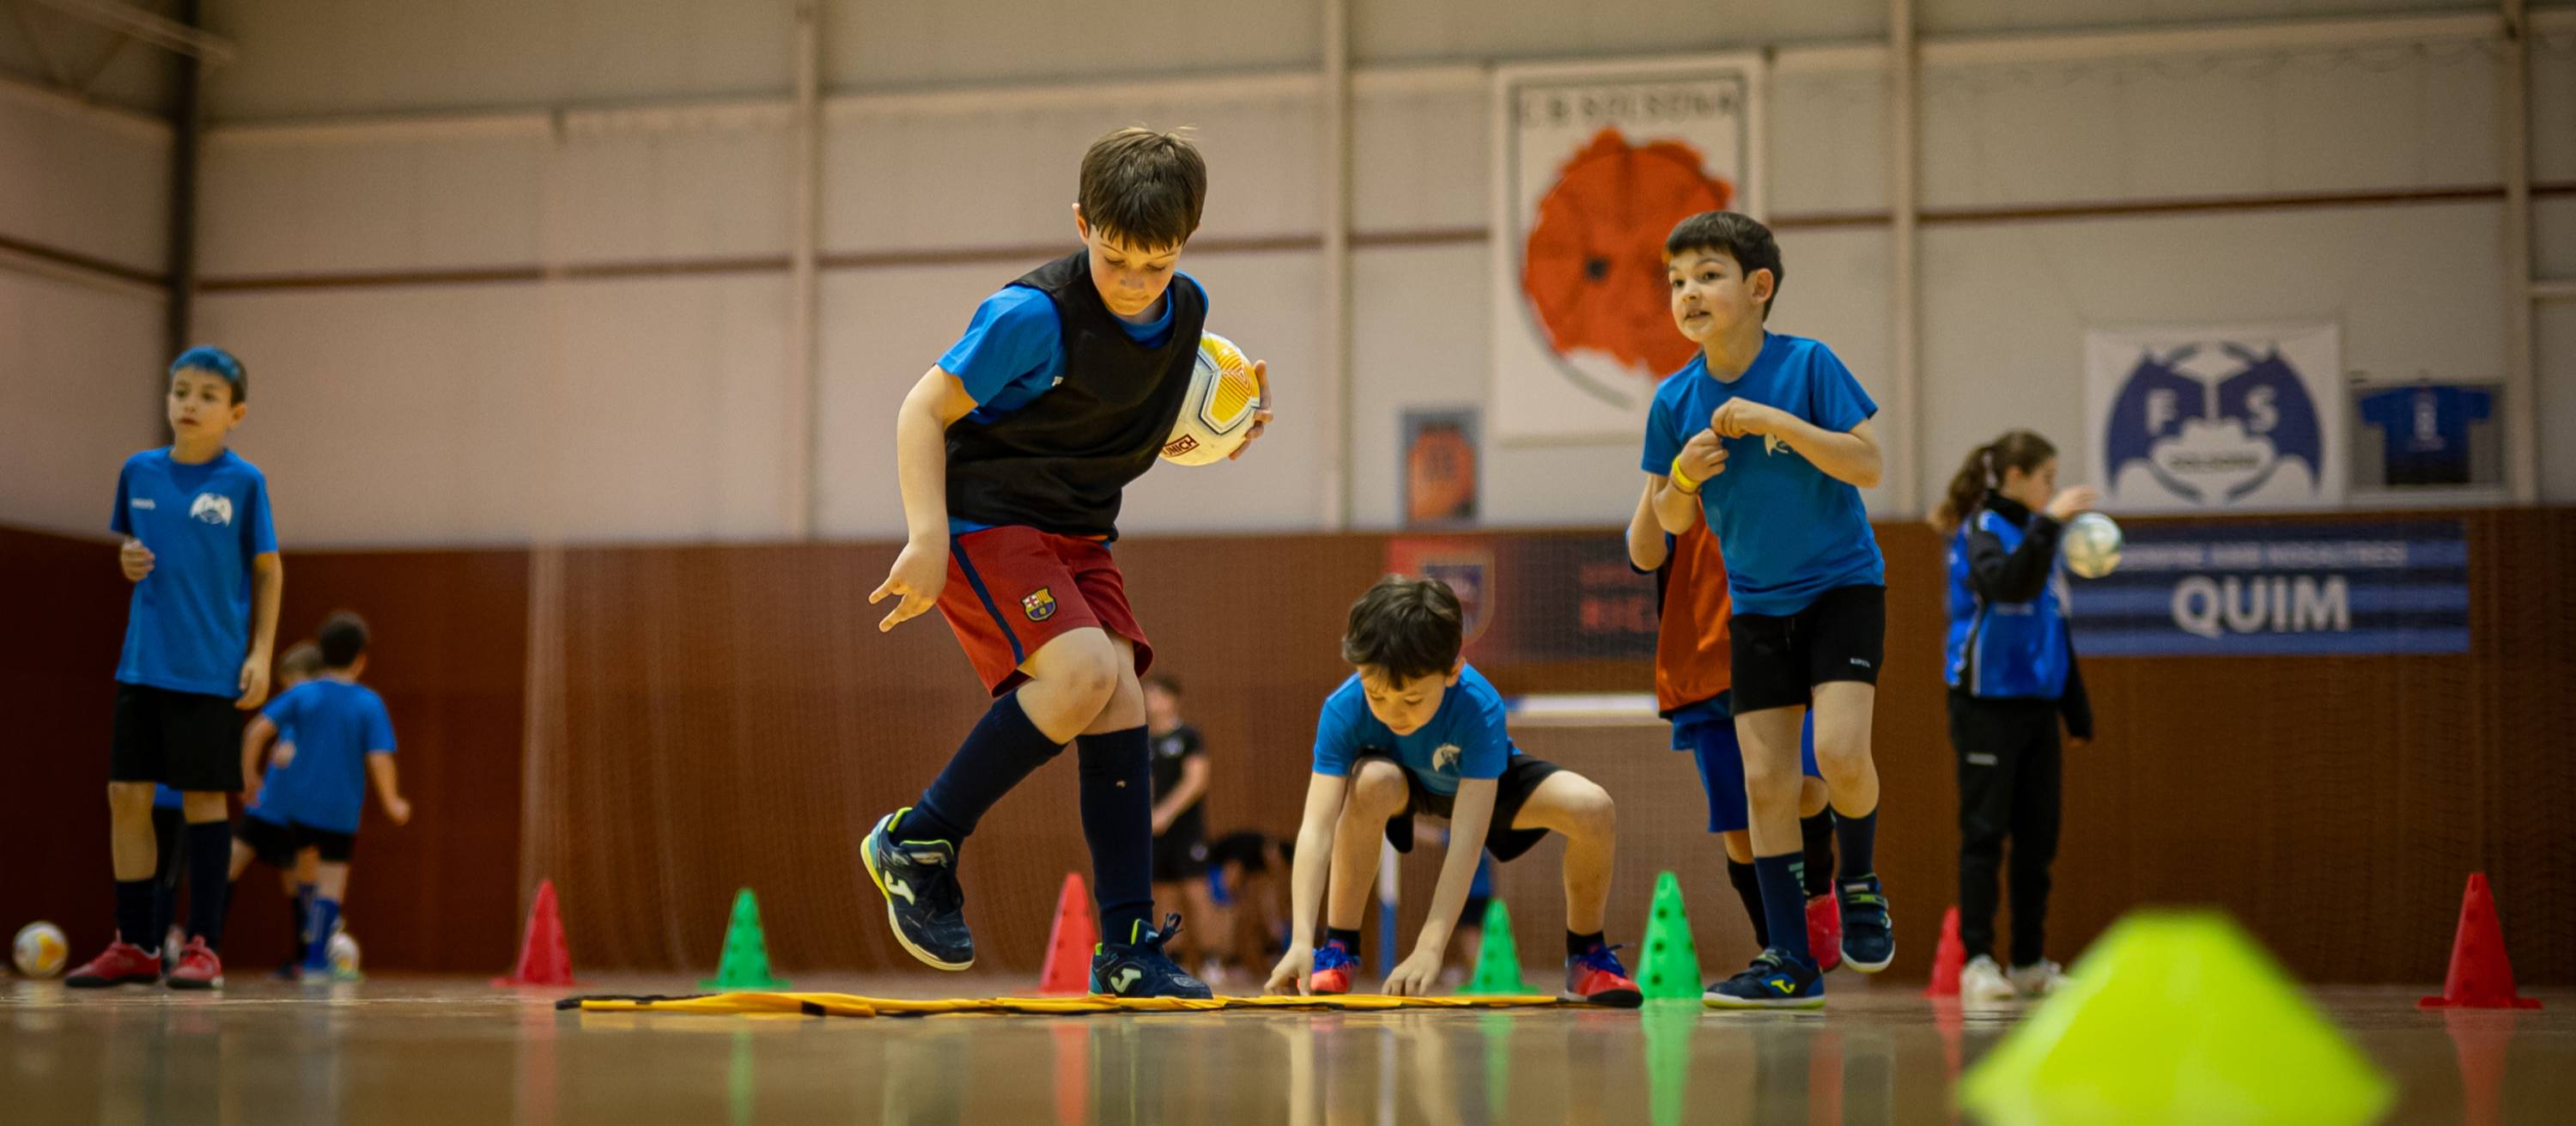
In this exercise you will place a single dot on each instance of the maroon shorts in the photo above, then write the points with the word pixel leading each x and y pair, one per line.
pixel 1012 589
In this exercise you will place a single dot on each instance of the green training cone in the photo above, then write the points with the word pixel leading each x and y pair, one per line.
pixel 745 964
pixel 1498 962
pixel 1670 968
pixel 2177 1017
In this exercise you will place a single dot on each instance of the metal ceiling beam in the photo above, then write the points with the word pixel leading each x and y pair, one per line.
pixel 157 30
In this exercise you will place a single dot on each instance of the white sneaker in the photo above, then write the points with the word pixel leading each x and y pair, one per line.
pixel 1982 980
pixel 2038 980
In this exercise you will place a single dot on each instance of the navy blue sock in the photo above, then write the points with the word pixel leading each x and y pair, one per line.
pixel 1748 887
pixel 300 905
pixel 1003 749
pixel 1818 833
pixel 1784 902
pixel 317 949
pixel 1118 820
pixel 210 856
pixel 134 900
pixel 1858 837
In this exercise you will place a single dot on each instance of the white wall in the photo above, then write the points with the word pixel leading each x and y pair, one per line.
pixel 83 352
pixel 572 375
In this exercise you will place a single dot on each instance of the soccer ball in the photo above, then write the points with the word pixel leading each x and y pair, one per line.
pixel 40 950
pixel 1216 415
pixel 344 954
pixel 2091 545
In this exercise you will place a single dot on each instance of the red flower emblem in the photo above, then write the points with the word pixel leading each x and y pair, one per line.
pixel 1593 266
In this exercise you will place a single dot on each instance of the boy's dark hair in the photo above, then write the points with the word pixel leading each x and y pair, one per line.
pixel 1171 685
pixel 303 659
pixel 1144 187
pixel 1406 628
pixel 344 640
pixel 207 357
pixel 1742 238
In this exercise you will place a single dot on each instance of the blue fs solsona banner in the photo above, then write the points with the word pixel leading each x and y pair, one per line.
pixel 2242 589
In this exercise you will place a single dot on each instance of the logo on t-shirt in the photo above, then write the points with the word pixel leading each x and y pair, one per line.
pixel 213 508
pixel 144 504
pixel 1445 757
pixel 1039 605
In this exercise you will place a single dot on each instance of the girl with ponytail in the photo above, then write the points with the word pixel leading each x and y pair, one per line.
pixel 2012 674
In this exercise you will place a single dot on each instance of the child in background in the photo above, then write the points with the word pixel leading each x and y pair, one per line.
pixel 2012 673
pixel 1180 805
pixel 1692 670
pixel 267 799
pixel 343 740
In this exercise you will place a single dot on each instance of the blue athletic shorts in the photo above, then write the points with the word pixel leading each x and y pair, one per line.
pixel 1721 767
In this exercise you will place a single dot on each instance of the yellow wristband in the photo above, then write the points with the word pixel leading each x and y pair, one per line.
pixel 1681 480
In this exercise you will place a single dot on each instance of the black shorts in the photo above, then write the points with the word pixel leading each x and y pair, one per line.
pixel 1511 792
pixel 276 845
pixel 188 741
pixel 1779 659
pixel 1181 853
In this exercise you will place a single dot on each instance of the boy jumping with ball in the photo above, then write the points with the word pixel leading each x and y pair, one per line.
pixel 1417 730
pixel 1012 454
pixel 201 552
pixel 1767 437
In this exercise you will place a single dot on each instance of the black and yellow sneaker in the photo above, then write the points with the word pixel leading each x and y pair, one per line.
pixel 1775 980
pixel 1140 969
pixel 924 905
pixel 1869 932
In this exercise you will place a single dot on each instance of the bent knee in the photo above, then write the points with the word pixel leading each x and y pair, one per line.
pixel 1378 786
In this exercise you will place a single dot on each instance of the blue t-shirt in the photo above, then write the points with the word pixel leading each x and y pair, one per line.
pixel 1789 532
pixel 1466 738
pixel 188 626
pixel 337 725
pixel 2427 430
pixel 275 785
pixel 163 797
pixel 1013 352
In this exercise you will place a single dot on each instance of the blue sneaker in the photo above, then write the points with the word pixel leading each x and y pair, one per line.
pixel 1140 969
pixel 1869 935
pixel 924 905
pixel 1775 980
pixel 1334 967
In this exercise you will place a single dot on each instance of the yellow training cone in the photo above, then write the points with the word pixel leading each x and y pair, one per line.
pixel 2176 1017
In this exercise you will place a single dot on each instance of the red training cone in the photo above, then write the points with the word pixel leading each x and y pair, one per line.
pixel 1949 956
pixel 545 959
pixel 2481 977
pixel 1069 943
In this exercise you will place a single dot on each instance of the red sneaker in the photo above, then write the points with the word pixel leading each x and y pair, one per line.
pixel 198 967
pixel 1825 931
pixel 1332 976
pixel 122 963
pixel 1595 977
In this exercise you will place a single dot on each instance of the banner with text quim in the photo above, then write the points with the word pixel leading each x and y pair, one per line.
pixel 2254 589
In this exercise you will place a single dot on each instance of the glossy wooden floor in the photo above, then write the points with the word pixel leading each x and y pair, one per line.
pixel 396 1050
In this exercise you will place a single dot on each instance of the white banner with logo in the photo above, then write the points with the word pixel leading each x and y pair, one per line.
pixel 1593 164
pixel 2238 417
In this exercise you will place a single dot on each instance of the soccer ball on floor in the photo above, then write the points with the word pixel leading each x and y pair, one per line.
pixel 344 954
pixel 2091 545
pixel 1216 416
pixel 40 950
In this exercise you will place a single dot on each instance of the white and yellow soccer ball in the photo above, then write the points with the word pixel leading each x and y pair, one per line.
pixel 2091 545
pixel 1216 416
pixel 41 950
pixel 344 954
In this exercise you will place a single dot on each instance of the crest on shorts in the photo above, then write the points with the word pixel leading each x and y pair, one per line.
pixel 1039 605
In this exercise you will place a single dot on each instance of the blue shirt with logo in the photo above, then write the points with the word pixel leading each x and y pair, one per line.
pixel 1466 737
pixel 1013 352
pixel 187 628
pixel 1788 530
pixel 2427 430
pixel 337 725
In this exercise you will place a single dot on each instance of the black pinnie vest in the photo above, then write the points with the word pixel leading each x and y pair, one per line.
pixel 1059 463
